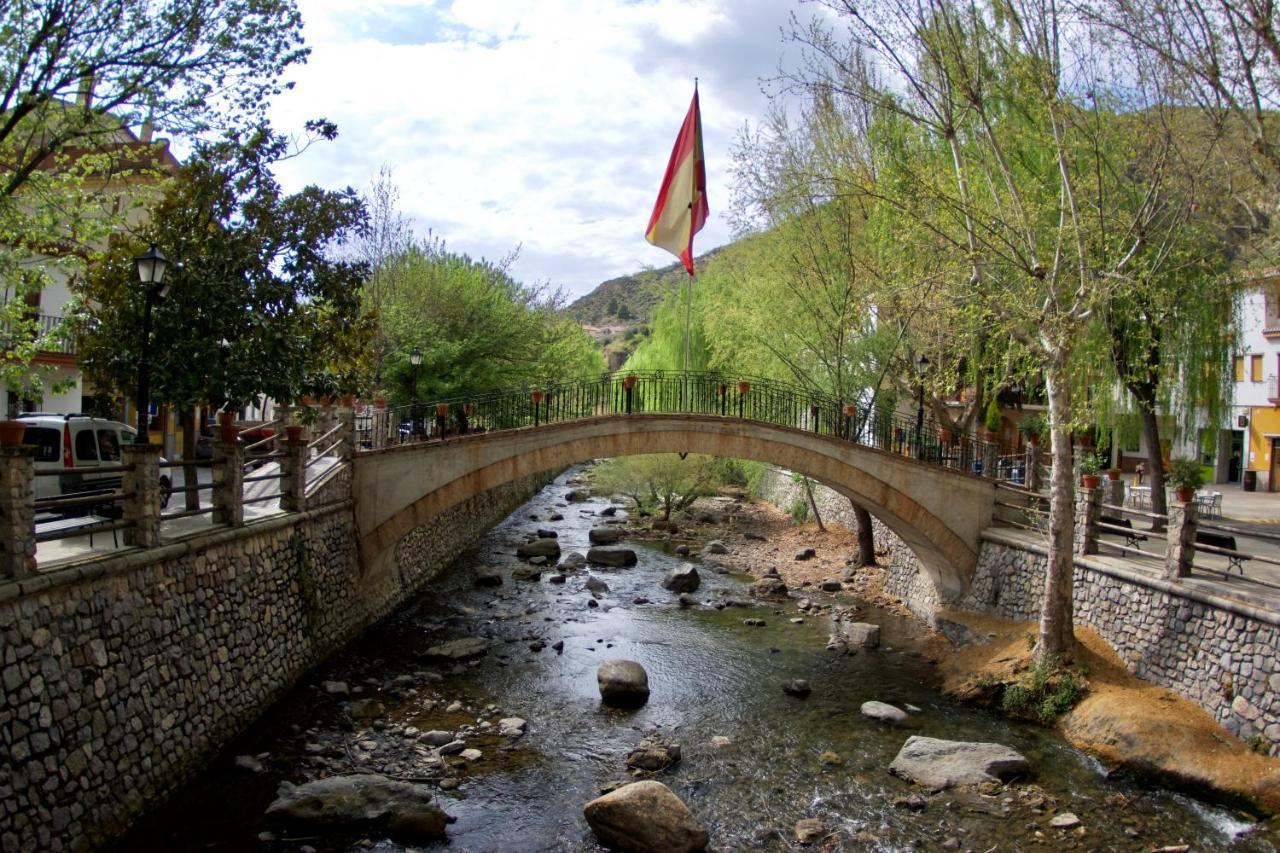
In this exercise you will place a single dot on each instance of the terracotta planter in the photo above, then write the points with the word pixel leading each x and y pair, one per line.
pixel 850 410
pixel 1033 440
pixel 1113 474
pixel 442 410
pixel 347 401
pixel 537 396
pixel 379 402
pixel 1090 481
pixel 744 387
pixel 307 400
pixel 326 401
pixel 988 435
pixel 11 433
pixel 230 433
pixel 1184 495
pixel 944 436
pixel 629 382
pixel 293 433
pixel 225 418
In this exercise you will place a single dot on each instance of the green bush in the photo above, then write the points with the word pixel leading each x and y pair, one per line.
pixel 1046 692
pixel 1184 474
pixel 992 419
pixel 800 510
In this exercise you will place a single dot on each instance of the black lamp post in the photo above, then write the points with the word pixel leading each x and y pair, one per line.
pixel 922 364
pixel 151 265
pixel 415 359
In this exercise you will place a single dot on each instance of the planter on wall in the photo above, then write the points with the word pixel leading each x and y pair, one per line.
pixel 1090 481
pixel 11 433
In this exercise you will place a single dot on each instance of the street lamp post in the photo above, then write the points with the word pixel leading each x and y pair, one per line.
pixel 151 265
pixel 415 359
pixel 922 364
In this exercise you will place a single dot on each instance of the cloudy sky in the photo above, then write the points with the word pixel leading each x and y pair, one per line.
pixel 540 123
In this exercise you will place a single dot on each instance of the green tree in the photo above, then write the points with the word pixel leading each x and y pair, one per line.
pixel 250 264
pixel 612 308
pixel 659 481
pixel 623 312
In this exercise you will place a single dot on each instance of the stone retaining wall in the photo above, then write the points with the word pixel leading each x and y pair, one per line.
pixel 1221 654
pixel 122 677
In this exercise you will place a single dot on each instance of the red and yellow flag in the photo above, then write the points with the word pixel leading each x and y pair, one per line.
pixel 681 208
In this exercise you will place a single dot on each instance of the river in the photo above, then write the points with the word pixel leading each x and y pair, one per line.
pixel 710 674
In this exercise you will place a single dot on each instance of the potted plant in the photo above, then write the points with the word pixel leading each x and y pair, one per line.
pixel 944 435
pixel 992 421
pixel 1184 477
pixel 380 399
pixel 1089 467
pixel 1113 474
pixel 1033 428
pixel 11 433
pixel 303 417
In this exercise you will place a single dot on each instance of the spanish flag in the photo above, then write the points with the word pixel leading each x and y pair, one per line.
pixel 681 208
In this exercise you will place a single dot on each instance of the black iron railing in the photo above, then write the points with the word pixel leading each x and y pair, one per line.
pixel 671 392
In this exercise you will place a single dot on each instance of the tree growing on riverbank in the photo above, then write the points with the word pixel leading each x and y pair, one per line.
pixel 662 482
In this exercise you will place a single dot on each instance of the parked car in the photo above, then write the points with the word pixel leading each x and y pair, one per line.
pixel 248 435
pixel 79 442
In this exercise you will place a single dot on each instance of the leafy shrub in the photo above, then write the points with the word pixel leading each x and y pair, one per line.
pixel 800 510
pixel 1044 693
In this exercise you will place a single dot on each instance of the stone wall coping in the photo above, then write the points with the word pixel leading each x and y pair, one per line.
pixel 97 567
pixel 1114 568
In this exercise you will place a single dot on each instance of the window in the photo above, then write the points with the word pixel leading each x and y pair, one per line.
pixel 109 441
pixel 1237 364
pixel 1255 368
pixel 47 442
pixel 86 447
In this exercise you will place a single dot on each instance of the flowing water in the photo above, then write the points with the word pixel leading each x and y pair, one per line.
pixel 710 675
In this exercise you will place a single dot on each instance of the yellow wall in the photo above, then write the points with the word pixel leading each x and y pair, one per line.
pixel 1261 422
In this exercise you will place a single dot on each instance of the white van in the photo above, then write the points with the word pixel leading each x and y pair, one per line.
pixel 79 441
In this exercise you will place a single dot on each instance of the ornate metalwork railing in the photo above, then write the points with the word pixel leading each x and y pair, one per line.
pixel 672 392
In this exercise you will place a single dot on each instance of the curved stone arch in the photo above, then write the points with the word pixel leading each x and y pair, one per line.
pixel 937 512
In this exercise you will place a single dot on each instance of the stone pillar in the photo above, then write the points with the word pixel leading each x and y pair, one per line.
pixel 1088 515
pixel 1035 471
pixel 1181 551
pixel 143 483
pixel 379 422
pixel 1114 491
pixel 17 512
pixel 285 415
pixel 347 419
pixel 990 455
pixel 228 483
pixel 293 476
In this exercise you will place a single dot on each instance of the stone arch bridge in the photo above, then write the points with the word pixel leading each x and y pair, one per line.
pixel 916 485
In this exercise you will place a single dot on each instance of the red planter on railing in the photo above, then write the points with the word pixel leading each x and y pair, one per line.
pixel 293 433
pixel 630 382
pixel 743 387
pixel 1090 481
pixel 537 396
pixel 442 410
pixel 11 433
pixel 226 418
pixel 230 433
pixel 1184 495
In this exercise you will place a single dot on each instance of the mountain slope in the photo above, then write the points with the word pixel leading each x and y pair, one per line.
pixel 638 292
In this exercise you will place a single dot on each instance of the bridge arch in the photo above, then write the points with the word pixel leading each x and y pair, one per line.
pixel 937 512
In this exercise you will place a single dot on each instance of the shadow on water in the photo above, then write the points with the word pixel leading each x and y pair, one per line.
pixel 710 675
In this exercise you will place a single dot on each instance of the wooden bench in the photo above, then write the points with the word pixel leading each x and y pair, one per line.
pixel 1131 536
pixel 1225 541
pixel 74 526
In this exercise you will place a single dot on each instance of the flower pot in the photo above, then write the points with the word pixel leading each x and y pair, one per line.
pixel 944 436
pixel 988 435
pixel 1090 481
pixel 629 382
pixel 1113 474
pixel 1033 440
pixel 379 402
pixel 1184 494
pixel 230 433
pixel 744 387
pixel 347 401
pixel 326 401
pixel 442 410
pixel 293 433
pixel 11 433
pixel 537 396
pixel 850 410
pixel 225 418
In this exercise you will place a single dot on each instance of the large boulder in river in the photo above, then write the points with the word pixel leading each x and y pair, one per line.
pixel 468 647
pixel 616 557
pixel 769 586
pixel 575 496
pixel 623 683
pixel 572 562
pixel 715 546
pixel 604 535
pixel 682 579
pixel 406 809
pixel 548 548
pixel 942 764
pixel 861 634
pixel 645 817
pixel 884 712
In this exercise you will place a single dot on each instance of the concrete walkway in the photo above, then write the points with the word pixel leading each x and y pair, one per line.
pixel 1248 506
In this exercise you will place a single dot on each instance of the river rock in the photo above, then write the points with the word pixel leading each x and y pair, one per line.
pixel 768 586
pixel 687 600
pixel 831 585
pixel 1066 820
pixel 682 550
pixel 488 577
pixel 604 535
pixel 715 546
pixel 468 647
pixel 654 753
pixel 548 548
pixel 861 634
pixel 575 496
pixel 662 526
pixel 623 683
pixel 609 511
pixel 682 579
pixel 594 584
pixel 544 533
pixel 806 554
pixel 407 809
pixel 527 573
pixel 809 830
pixel 797 687
pixel 435 737
pixel 616 557
pixel 942 764
pixel 645 817
pixel 883 712
pixel 511 726
pixel 573 562
pixel 335 688
pixel 250 763
pixel 555 516
pixel 470 756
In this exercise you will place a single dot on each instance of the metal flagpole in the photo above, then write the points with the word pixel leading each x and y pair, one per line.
pixel 688 311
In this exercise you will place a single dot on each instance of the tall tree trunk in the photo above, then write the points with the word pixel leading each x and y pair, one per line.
pixel 189 476
pixel 866 543
pixel 1155 462
pixel 813 505
pixel 1056 625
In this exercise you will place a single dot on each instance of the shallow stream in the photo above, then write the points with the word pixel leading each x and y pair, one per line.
pixel 710 675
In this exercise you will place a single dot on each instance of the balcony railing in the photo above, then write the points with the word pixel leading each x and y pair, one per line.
pixel 49 337
pixel 1273 389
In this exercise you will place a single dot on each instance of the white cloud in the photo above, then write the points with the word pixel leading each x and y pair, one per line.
pixel 541 122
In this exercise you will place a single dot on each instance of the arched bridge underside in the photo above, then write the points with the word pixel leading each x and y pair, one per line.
pixel 938 512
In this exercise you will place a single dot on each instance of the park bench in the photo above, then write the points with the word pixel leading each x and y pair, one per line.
pixel 1131 536
pixel 1225 541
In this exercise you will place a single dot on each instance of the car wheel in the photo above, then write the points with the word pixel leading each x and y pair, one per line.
pixel 166 491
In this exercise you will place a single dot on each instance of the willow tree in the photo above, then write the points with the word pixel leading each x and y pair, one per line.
pixel 1027 195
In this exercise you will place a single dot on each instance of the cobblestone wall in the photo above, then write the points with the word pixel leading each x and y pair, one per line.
pixel 123 677
pixel 1220 654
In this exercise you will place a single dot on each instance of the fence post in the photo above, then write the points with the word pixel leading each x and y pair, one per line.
pixel 141 485
pixel 228 483
pixel 1115 491
pixel 1088 515
pixel 347 418
pixel 1181 550
pixel 293 476
pixel 378 422
pixel 990 456
pixel 17 512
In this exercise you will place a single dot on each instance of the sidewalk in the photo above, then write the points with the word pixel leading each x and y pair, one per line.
pixel 1240 505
